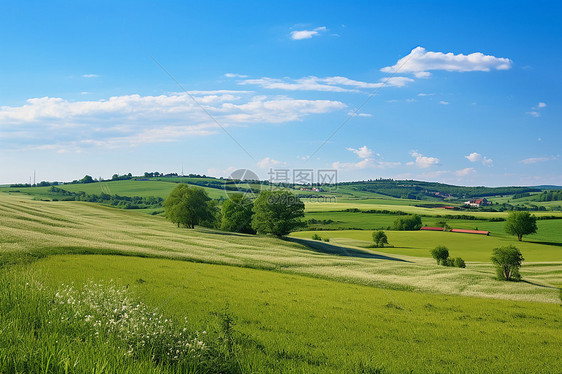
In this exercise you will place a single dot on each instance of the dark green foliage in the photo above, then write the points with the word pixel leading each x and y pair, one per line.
pixel 508 260
pixel 440 253
pixel 407 223
pixel 316 237
pixel 459 262
pixel 417 190
pixel 549 196
pixel 87 179
pixel 237 214
pixel 520 223
pixel 326 240
pixel 189 206
pixel 380 238
pixel 126 202
pixel 277 212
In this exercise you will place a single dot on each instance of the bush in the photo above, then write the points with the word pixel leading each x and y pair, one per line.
pixel 440 254
pixel 316 237
pixel 326 239
pixel 459 263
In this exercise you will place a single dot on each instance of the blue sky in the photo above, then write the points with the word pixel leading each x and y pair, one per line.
pixel 457 92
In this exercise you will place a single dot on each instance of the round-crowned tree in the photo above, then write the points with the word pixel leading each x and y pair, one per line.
pixel 189 206
pixel 440 254
pixel 277 212
pixel 237 214
pixel 520 223
pixel 380 238
pixel 508 261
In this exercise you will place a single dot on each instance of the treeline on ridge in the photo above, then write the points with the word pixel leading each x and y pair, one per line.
pixel 126 202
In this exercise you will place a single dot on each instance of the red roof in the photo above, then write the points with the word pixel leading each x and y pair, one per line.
pixel 471 231
pixel 432 228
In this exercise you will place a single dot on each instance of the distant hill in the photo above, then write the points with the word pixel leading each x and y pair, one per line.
pixel 547 187
pixel 412 189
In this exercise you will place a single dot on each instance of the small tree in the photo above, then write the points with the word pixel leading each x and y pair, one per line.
pixel 520 223
pixel 189 206
pixel 277 212
pixel 440 254
pixel 508 261
pixel 237 214
pixel 380 238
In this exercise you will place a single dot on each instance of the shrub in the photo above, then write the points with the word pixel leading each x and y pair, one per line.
pixel 440 254
pixel 326 239
pixel 459 263
pixel 316 237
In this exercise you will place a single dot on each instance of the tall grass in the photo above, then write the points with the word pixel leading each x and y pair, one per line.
pixel 97 328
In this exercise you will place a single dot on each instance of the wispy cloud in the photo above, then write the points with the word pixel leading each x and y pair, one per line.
pixel 534 160
pixel 420 62
pixel 268 162
pixel 367 159
pixel 465 172
pixel 307 34
pixel 442 102
pixel 90 76
pixel 535 111
pixel 234 75
pixel 328 84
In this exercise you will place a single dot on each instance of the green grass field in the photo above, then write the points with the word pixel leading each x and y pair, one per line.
pixel 299 324
pixel 320 307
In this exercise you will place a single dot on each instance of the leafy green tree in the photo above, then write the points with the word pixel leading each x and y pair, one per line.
pixel 408 223
pixel 277 212
pixel 520 223
pixel 440 254
pixel 189 206
pixel 380 238
pixel 237 214
pixel 87 179
pixel 508 260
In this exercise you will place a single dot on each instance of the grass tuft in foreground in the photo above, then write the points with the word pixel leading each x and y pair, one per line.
pixel 98 328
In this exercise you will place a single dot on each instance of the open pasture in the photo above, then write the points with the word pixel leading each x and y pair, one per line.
pixel 290 323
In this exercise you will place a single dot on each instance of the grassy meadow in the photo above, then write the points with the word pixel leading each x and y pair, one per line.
pixel 267 304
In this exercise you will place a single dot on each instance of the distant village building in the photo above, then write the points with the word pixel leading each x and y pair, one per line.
pixel 477 203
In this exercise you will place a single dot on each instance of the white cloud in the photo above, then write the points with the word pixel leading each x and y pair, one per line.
pixel 534 160
pixel 464 172
pixel 307 34
pixel 358 114
pixel 535 112
pixel 420 62
pixel 267 163
pixel 234 75
pixel 362 152
pixel 476 157
pixel 425 94
pixel 130 120
pixel 328 84
pixel 90 76
pixel 444 102
pixel 365 160
pixel 422 161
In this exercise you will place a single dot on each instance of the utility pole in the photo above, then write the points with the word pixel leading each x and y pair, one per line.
pixel 34 178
